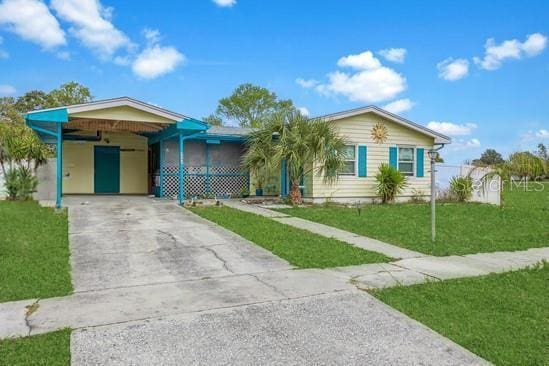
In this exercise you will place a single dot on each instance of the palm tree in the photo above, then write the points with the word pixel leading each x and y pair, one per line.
pixel 306 145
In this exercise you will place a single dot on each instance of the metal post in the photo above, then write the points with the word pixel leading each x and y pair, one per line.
pixel 59 165
pixel 181 167
pixel 161 147
pixel 433 199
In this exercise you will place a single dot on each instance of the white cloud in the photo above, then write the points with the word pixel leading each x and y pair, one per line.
pixel 371 83
pixel 92 25
pixel 306 83
pixel 151 35
pixel 122 60
pixel 369 86
pixel 225 3
pixel 156 61
pixel 463 144
pixel 453 70
pixel 452 129
pixel 6 89
pixel 32 21
pixel 534 44
pixel 399 106
pixel 63 55
pixel 304 111
pixel 3 53
pixel 472 143
pixel 541 134
pixel 363 61
pixel 393 54
pixel 495 54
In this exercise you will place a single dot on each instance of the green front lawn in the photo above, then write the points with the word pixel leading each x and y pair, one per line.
pixel 34 252
pixel 44 349
pixel 503 318
pixel 462 228
pixel 300 248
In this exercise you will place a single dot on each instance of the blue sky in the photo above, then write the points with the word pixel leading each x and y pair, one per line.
pixel 478 71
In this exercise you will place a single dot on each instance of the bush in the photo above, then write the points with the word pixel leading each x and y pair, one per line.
pixel 390 183
pixel 461 187
pixel 20 183
pixel 417 196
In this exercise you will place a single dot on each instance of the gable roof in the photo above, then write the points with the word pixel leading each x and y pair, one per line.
pixel 118 102
pixel 439 138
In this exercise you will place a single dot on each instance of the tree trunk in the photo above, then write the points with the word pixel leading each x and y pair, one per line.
pixel 295 194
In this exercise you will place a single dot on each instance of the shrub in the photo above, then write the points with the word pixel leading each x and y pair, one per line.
pixel 461 187
pixel 390 183
pixel 10 182
pixel 20 183
pixel 417 196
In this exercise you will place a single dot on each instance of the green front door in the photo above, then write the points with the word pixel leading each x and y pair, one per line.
pixel 106 169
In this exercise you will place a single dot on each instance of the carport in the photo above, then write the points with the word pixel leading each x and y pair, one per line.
pixel 111 146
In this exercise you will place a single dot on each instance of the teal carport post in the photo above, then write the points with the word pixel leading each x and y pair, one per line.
pixel 59 149
pixel 49 127
pixel 161 148
pixel 181 167
pixel 182 130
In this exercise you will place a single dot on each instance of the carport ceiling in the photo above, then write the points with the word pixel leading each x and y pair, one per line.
pixel 93 124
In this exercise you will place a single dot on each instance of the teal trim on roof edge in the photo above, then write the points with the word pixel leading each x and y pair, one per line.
pixel 56 115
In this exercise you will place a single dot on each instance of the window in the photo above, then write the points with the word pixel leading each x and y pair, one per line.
pixel 349 153
pixel 406 160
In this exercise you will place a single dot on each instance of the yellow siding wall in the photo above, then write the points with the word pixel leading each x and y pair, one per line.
pixel 78 169
pixel 357 130
pixel 123 113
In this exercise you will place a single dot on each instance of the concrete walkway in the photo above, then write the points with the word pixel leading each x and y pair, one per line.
pixel 155 284
pixel 363 242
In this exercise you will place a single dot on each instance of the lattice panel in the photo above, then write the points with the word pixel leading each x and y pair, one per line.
pixel 200 180
pixel 195 186
pixel 226 186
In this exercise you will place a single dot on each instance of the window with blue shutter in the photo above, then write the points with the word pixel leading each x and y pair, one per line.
pixel 419 162
pixel 393 157
pixel 362 161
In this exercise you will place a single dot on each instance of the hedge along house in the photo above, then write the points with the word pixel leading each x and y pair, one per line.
pixel 124 146
pixel 375 136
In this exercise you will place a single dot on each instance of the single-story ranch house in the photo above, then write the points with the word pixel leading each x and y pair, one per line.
pixel 124 146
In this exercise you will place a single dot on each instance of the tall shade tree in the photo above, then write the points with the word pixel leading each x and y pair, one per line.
pixel 489 157
pixel 213 120
pixel 306 145
pixel 251 105
pixel 69 93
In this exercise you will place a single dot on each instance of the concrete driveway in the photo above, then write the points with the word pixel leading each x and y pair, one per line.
pixel 157 285
pixel 132 241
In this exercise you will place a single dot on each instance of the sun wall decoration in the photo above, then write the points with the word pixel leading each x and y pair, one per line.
pixel 379 133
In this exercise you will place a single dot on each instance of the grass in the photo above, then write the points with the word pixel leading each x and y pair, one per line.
pixel 34 252
pixel 300 248
pixel 45 349
pixel 462 228
pixel 503 318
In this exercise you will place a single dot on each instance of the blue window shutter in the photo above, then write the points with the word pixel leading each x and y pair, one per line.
pixel 419 162
pixel 393 157
pixel 362 161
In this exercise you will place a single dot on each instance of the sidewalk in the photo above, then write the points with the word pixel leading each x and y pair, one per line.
pixel 363 242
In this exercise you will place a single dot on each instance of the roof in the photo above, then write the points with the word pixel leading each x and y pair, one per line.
pixel 117 102
pixel 229 131
pixel 439 138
